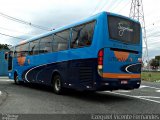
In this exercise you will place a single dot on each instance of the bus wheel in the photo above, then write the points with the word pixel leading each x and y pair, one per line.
pixel 57 84
pixel 16 79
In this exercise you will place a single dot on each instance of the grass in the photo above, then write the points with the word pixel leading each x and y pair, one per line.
pixel 151 76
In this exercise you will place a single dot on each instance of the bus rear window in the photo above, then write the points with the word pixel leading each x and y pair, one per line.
pixel 124 30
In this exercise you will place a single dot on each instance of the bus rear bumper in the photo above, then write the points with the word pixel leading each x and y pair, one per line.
pixel 116 84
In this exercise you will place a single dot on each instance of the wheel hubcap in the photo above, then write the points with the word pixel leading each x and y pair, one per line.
pixel 16 80
pixel 57 84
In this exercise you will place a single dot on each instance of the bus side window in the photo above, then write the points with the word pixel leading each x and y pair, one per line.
pixel 75 37
pixel 34 47
pixel 22 50
pixel 18 51
pixel 82 35
pixel 46 44
pixel 61 40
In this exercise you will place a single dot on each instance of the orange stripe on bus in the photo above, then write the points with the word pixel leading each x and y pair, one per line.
pixel 114 75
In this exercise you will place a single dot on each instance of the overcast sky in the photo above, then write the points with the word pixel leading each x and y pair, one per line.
pixel 55 13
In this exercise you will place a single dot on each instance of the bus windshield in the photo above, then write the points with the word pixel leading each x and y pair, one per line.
pixel 124 30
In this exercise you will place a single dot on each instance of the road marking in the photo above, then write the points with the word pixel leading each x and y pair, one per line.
pixel 0 92
pixel 134 97
pixel 147 97
pixel 143 86
pixel 157 90
pixel 123 91
pixel 5 80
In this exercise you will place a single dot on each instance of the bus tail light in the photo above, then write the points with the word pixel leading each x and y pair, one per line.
pixel 140 60
pixel 100 61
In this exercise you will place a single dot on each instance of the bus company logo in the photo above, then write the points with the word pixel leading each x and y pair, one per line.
pixel 123 26
pixel 21 60
pixel 121 56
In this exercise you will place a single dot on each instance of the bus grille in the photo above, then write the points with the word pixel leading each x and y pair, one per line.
pixel 86 75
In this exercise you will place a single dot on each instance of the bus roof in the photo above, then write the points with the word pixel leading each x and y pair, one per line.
pixel 94 17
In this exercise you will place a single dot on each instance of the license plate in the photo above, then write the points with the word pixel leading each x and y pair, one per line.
pixel 124 82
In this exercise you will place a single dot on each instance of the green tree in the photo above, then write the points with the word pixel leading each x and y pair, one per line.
pixel 157 57
pixel 4 46
pixel 154 63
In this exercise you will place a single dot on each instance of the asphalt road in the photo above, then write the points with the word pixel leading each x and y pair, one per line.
pixel 27 99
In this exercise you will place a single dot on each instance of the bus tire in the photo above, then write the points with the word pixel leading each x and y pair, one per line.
pixel 57 84
pixel 16 79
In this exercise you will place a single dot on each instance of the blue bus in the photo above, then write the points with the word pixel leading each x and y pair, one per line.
pixel 3 62
pixel 102 52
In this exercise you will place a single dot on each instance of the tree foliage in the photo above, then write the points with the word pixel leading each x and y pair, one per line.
pixel 154 63
pixel 157 58
pixel 4 46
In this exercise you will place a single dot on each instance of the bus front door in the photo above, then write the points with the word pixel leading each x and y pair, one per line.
pixel 10 61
